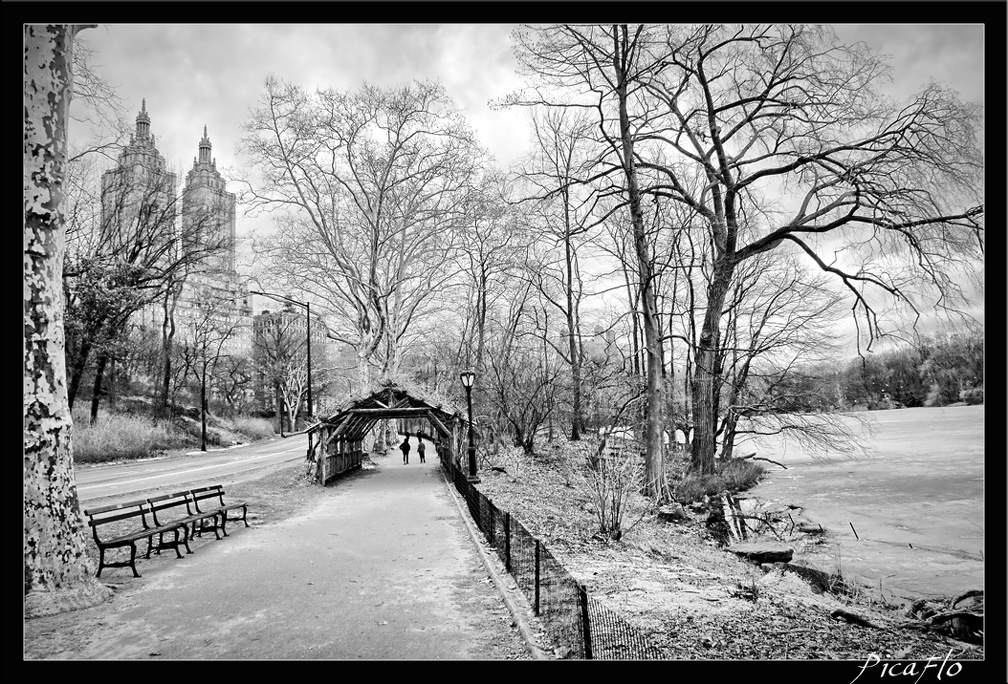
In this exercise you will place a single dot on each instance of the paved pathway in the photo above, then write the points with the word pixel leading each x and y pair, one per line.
pixel 382 568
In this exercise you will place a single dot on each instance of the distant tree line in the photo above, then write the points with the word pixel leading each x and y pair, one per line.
pixel 939 369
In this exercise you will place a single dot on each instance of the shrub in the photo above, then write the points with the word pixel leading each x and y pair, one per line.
pixel 694 487
pixel 739 475
pixel 972 396
pixel 118 436
pixel 254 428
pixel 736 475
pixel 612 476
pixel 130 436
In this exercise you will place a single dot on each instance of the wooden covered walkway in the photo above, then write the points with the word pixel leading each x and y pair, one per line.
pixel 337 444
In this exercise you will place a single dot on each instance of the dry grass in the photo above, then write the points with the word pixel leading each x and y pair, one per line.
pixel 677 584
pixel 133 436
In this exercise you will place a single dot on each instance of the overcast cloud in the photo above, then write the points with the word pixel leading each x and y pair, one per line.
pixel 193 75
pixel 212 74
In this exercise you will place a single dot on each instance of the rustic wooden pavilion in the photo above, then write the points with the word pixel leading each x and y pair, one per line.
pixel 336 444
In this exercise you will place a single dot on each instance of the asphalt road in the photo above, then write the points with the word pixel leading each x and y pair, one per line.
pixel 193 469
pixel 382 567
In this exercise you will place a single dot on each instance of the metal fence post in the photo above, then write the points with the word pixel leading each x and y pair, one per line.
pixel 537 577
pixel 507 541
pixel 585 622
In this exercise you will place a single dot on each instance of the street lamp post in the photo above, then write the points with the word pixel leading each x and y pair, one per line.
pixel 467 378
pixel 307 307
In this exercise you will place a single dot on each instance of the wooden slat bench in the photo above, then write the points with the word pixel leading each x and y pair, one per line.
pixel 180 507
pixel 123 519
pixel 210 499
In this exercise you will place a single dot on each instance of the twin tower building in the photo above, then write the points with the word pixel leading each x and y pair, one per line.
pixel 143 209
pixel 146 215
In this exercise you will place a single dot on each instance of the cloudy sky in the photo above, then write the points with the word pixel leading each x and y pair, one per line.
pixel 196 75
pixel 212 74
pixel 193 75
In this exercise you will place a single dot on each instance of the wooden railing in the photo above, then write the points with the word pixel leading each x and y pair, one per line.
pixel 333 456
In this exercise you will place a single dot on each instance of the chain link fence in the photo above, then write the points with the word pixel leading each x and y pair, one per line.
pixel 574 620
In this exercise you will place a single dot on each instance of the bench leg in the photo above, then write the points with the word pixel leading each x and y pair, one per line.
pixel 150 543
pixel 185 540
pixel 101 560
pixel 133 554
pixel 216 527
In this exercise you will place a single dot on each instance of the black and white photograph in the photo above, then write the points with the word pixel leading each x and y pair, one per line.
pixel 444 340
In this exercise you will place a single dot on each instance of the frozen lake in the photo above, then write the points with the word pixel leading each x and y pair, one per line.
pixel 916 505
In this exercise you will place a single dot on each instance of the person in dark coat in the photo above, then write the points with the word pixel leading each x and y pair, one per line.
pixel 420 449
pixel 405 449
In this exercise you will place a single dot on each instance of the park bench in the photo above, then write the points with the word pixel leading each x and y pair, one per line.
pixel 180 507
pixel 210 499
pixel 119 527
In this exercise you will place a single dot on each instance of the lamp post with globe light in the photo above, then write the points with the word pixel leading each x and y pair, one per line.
pixel 468 377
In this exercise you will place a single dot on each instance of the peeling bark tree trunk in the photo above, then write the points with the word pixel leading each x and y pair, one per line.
pixel 58 575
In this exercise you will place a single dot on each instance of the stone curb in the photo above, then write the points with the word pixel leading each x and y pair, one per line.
pixel 517 612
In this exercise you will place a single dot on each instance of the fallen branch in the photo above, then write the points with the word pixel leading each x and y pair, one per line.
pixel 766 523
pixel 965 595
pixel 965 615
pixel 852 618
pixel 754 457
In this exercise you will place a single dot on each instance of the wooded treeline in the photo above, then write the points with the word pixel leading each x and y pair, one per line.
pixel 704 212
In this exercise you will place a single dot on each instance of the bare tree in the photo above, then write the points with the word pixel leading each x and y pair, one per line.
pixel 368 189
pixel 884 196
pixel 601 69
pixel 57 570
pixel 280 354
pixel 209 329
pixel 565 210
pixel 491 254
pixel 131 249
pixel 799 152
pixel 96 108
pixel 232 381
pixel 780 322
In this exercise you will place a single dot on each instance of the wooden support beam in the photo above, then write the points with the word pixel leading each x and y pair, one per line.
pixel 378 413
pixel 438 425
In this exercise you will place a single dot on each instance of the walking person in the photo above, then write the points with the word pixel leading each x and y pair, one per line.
pixel 405 450
pixel 420 448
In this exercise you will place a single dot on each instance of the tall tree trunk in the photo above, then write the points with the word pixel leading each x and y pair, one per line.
pixel 57 570
pixel 279 409
pixel 577 423
pixel 706 373
pixel 203 410
pixel 632 298
pixel 363 372
pixel 167 337
pixel 77 371
pixel 96 391
pixel 481 312
pixel 654 461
